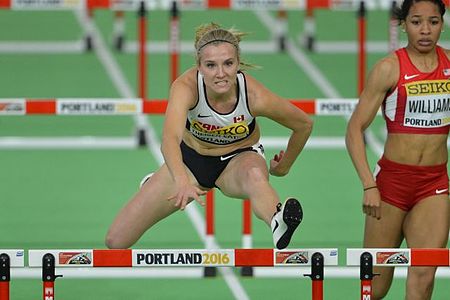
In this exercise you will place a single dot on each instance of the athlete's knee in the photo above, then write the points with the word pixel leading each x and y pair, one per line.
pixel 378 294
pixel 111 242
pixel 421 281
pixel 380 286
pixel 255 174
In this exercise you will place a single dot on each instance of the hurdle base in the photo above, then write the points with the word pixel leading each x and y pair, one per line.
pixel 89 43
pixel 119 43
pixel 282 44
pixel 310 43
pixel 247 271
pixel 210 272
pixel 142 139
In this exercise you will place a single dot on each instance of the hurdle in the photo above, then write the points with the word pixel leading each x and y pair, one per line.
pixel 133 106
pixel 57 261
pixel 85 10
pixel 308 36
pixel 139 107
pixel 48 265
pixel 10 258
pixel 366 259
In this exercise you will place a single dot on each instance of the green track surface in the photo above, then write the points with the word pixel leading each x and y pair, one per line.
pixel 68 198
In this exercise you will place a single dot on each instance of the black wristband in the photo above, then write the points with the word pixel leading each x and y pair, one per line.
pixel 370 187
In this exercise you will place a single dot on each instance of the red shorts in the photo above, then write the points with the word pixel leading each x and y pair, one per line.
pixel 405 185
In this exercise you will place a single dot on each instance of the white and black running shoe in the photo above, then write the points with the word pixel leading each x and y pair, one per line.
pixel 285 221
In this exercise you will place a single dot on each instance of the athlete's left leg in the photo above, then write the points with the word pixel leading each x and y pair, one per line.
pixel 247 176
pixel 426 226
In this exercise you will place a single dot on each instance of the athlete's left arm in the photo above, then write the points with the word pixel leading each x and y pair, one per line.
pixel 265 103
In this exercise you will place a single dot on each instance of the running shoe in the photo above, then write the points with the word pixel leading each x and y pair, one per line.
pixel 285 221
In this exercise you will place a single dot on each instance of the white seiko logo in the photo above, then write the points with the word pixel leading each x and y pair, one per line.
pixel 408 77
pixel 438 191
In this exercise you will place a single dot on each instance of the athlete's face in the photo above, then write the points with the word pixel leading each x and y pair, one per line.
pixel 219 65
pixel 423 26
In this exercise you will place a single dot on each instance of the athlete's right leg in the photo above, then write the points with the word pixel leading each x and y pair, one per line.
pixel 148 206
pixel 385 232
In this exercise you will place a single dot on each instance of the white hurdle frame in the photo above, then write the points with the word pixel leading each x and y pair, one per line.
pixel 148 263
pixel 124 263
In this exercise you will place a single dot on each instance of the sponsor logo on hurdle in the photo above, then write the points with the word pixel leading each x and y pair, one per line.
pixel 392 258
pixel 188 258
pixel 335 107
pixel 123 4
pixel 12 108
pixel 45 4
pixel 292 257
pixel 266 4
pixel 75 258
pixel 101 107
pixel 127 108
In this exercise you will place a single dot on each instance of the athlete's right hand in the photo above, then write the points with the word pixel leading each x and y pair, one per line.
pixel 372 203
pixel 185 194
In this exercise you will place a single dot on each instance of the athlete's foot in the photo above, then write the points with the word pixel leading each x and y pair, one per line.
pixel 285 221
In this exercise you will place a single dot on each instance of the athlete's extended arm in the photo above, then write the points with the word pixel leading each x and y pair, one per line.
pixel 265 103
pixel 180 99
pixel 381 79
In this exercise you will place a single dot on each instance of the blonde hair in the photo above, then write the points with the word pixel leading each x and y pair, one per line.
pixel 213 33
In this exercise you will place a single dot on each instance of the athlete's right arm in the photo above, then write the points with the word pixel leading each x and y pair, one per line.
pixel 182 97
pixel 381 79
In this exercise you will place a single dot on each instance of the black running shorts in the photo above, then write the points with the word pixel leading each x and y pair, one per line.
pixel 207 169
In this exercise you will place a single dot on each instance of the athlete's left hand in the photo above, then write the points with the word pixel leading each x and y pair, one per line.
pixel 185 194
pixel 276 169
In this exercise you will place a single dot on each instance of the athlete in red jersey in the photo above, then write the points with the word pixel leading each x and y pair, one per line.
pixel 407 196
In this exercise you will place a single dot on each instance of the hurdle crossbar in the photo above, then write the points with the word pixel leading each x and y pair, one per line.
pixel 154 5
pixel 134 106
pixel 49 259
pixel 395 257
pixel 10 258
pixel 390 257
pixel 181 257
